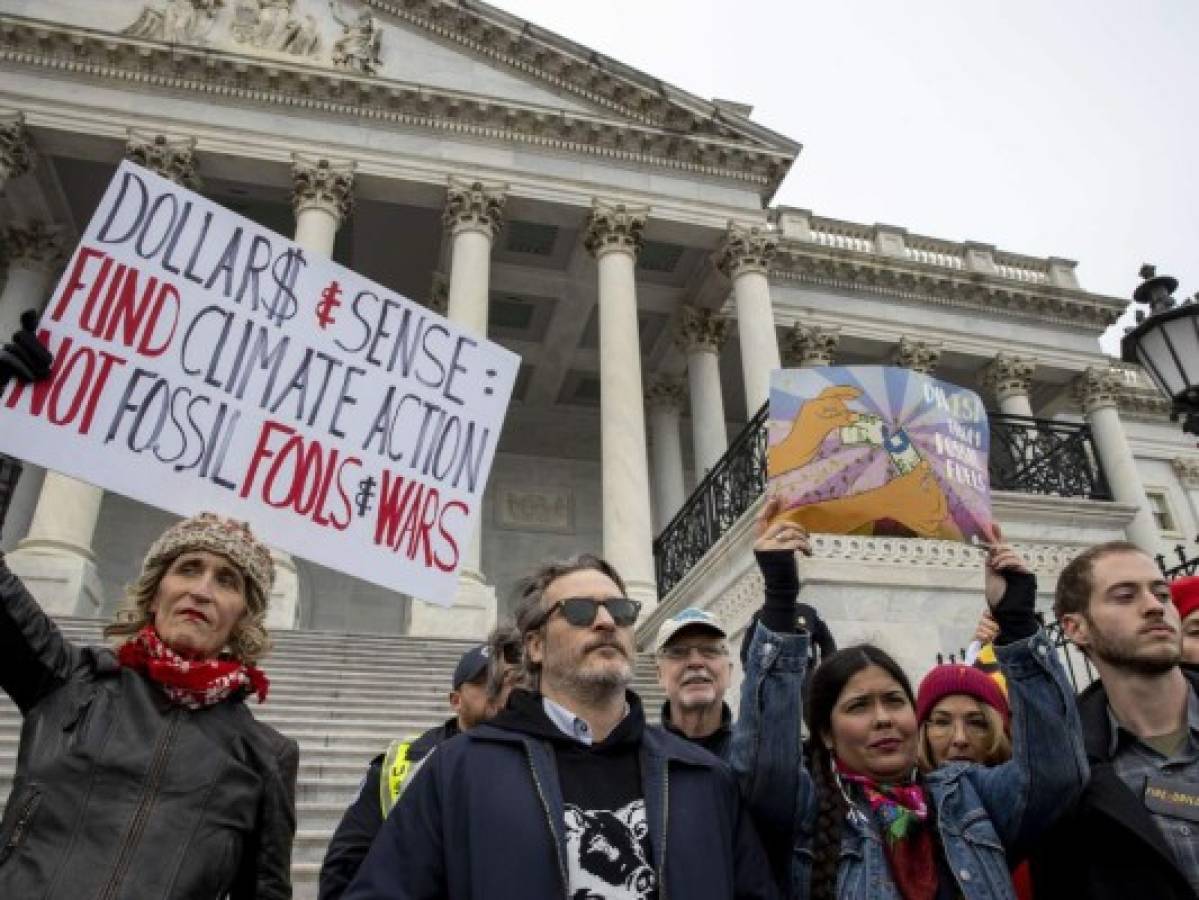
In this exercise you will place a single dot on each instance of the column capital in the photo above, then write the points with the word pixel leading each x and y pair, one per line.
pixel 439 294
pixel 474 206
pixel 700 329
pixel 810 345
pixel 324 184
pixel 665 392
pixel 33 246
pixel 1098 387
pixel 614 227
pixel 16 153
pixel 919 356
pixel 1008 375
pixel 1187 470
pixel 746 248
pixel 172 158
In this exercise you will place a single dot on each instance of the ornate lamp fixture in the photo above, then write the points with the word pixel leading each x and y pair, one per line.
pixel 1166 345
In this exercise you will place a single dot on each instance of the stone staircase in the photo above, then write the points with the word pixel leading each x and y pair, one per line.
pixel 342 698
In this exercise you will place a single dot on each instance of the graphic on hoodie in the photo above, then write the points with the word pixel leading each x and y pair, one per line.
pixel 608 853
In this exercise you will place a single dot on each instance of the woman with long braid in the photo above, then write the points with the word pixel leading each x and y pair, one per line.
pixel 861 818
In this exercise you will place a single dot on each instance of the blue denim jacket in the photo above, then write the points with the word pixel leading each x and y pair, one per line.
pixel 982 814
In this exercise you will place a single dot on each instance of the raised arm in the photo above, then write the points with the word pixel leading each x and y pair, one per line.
pixel 1048 768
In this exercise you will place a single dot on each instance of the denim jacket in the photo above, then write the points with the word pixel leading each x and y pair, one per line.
pixel 983 815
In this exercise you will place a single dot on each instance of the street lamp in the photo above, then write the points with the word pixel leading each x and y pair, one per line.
pixel 1166 345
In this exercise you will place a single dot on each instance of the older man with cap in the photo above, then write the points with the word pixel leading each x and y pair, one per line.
pixel 479 689
pixel 695 668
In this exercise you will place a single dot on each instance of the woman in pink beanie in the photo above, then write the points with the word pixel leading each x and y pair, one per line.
pixel 963 717
pixel 1185 594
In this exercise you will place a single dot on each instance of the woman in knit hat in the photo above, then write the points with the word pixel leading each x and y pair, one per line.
pixel 141 771
pixel 963 717
pixel 1185 594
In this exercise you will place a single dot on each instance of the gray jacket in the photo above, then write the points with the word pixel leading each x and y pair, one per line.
pixel 120 794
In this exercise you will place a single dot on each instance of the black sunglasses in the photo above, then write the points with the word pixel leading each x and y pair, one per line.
pixel 581 611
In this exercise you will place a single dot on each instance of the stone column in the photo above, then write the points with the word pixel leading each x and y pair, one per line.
pixel 664 397
pixel 1097 390
pixel 1007 377
pixel 473 217
pixel 613 237
pixel 172 158
pixel 16 153
pixel 919 356
pixel 810 345
pixel 34 252
pixel 700 333
pixel 322 196
pixel 744 258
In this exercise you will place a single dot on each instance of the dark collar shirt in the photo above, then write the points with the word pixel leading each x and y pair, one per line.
pixel 1136 762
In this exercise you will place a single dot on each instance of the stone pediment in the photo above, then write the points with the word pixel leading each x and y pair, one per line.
pixel 415 62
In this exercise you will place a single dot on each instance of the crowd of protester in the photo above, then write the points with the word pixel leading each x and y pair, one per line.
pixel 142 773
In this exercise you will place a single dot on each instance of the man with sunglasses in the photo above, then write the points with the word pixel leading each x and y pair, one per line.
pixel 694 668
pixel 568 791
pixel 481 682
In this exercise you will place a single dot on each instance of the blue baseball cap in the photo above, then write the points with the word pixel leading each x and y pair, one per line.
pixel 471 665
pixel 691 617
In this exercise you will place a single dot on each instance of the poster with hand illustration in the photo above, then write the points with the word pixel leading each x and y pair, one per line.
pixel 879 450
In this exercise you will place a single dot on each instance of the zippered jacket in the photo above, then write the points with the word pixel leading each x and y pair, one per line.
pixel 121 794
pixel 484 819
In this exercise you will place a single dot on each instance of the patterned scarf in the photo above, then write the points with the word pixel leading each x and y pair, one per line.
pixel 900 811
pixel 190 683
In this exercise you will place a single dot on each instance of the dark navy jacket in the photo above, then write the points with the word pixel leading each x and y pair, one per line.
pixel 483 819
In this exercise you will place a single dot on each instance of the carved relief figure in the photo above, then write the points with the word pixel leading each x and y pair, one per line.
pixel 270 25
pixel 176 21
pixel 358 47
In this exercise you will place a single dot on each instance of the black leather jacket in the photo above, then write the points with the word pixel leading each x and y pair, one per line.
pixel 120 794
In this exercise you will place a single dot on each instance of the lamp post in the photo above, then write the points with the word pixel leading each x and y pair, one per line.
pixel 1166 345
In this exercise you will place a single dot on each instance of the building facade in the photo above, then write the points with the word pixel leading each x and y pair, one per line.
pixel 619 235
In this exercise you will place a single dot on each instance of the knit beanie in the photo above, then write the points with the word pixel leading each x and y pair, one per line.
pixel 944 681
pixel 228 537
pixel 1185 594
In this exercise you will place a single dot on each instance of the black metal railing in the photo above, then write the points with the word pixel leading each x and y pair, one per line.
pixel 717 502
pixel 1041 456
pixel 1185 565
pixel 1078 668
pixel 1032 456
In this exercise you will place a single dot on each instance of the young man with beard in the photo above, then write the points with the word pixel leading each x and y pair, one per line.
pixel 568 792
pixel 1135 832
pixel 694 669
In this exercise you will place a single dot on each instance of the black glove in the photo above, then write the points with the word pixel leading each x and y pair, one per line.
pixel 781 612
pixel 25 358
pixel 1016 610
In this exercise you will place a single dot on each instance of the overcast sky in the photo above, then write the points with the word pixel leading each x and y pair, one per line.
pixel 1049 127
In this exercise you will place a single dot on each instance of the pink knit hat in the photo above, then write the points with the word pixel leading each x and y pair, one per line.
pixel 944 681
pixel 1185 594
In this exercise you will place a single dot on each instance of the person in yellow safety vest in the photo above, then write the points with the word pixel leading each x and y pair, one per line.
pixel 479 690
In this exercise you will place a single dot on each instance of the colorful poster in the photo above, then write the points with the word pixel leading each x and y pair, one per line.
pixel 879 450
pixel 203 362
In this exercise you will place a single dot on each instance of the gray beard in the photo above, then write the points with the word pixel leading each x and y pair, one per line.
pixel 591 686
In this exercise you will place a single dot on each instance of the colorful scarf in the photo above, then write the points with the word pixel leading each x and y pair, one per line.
pixel 190 683
pixel 900 811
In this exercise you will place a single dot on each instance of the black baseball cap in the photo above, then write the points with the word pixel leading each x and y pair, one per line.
pixel 472 665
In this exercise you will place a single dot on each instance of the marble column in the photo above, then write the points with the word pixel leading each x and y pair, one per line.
pixel 1097 390
pixel 16 153
pixel 919 356
pixel 1008 377
pixel 810 345
pixel 664 398
pixel 473 217
pixel 613 237
pixel 744 257
pixel 172 158
pixel 34 252
pixel 322 196
pixel 700 333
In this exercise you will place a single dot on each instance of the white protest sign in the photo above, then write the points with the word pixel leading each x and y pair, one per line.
pixel 204 362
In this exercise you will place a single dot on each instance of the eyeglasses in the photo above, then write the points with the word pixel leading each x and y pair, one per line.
pixel 976 726
pixel 581 611
pixel 681 652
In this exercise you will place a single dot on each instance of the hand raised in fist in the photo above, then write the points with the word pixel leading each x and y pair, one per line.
pixel 24 358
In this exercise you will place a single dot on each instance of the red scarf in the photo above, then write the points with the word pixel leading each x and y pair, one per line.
pixel 191 683
pixel 900 811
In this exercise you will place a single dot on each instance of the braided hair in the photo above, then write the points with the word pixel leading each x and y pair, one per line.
pixel 824 690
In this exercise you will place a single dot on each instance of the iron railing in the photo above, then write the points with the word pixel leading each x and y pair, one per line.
pixel 1078 668
pixel 1185 566
pixel 1032 456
